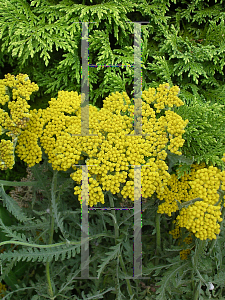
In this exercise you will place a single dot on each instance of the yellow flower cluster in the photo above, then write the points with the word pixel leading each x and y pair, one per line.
pixel 175 232
pixel 27 146
pixel 111 149
pixel 188 240
pixel 166 96
pixel 118 151
pixel 54 129
pixel 21 89
pixel 6 155
pixel 199 217
pixel 2 289
pixel 184 253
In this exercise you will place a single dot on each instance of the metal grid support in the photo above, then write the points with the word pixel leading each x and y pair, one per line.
pixel 137 271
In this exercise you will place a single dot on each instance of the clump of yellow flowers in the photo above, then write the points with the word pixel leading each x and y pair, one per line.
pixel 184 253
pixel 188 240
pixel 199 217
pixel 2 289
pixel 21 88
pixel 111 150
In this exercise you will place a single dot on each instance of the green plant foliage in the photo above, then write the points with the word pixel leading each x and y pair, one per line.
pixel 110 255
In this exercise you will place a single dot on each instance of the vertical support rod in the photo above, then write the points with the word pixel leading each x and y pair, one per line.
pixel 137 81
pixel 137 223
pixel 85 81
pixel 84 225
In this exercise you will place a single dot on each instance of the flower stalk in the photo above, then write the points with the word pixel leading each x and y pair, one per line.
pixel 53 195
pixel 158 237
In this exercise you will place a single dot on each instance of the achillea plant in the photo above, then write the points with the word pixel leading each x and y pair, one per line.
pixel 110 152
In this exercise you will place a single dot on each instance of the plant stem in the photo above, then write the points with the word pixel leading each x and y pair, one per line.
pixel 127 280
pixel 192 280
pixel 158 237
pixel 116 227
pixel 48 263
pixel 196 292
pixel 194 259
pixel 53 192
pixel 52 245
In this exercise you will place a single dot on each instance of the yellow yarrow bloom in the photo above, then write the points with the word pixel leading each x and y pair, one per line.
pixel 2 289
pixel 6 155
pixel 200 217
pixel 12 124
pixel 111 149
pixel 113 158
pixel 184 253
